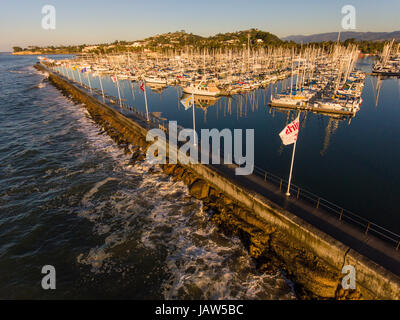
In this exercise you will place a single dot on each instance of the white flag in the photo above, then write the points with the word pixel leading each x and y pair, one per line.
pixel 290 132
pixel 188 102
pixel 114 78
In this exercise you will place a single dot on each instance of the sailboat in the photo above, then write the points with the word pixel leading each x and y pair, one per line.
pixel 154 79
pixel 203 90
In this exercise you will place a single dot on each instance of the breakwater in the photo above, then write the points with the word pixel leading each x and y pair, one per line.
pixel 275 237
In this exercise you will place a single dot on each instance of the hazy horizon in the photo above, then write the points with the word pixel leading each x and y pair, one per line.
pixel 94 22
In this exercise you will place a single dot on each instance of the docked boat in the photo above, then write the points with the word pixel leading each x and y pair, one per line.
pixel 156 87
pixel 153 79
pixel 203 90
pixel 330 105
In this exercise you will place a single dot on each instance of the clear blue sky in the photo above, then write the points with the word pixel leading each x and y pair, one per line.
pixel 89 21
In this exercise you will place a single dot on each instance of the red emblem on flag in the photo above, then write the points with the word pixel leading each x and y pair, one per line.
pixel 142 86
pixel 290 133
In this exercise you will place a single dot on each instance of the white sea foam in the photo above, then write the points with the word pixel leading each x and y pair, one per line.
pixel 41 85
pixel 155 212
pixel 95 188
pixel 95 258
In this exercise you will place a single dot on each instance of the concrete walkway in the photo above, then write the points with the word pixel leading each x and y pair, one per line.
pixel 376 249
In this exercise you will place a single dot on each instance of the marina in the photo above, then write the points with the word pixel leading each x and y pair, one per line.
pixel 168 154
pixel 388 63
pixel 221 111
pixel 329 85
pixel 325 82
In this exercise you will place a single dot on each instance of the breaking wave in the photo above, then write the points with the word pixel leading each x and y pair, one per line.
pixel 149 212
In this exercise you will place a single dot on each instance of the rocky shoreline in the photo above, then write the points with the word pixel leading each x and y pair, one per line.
pixel 271 249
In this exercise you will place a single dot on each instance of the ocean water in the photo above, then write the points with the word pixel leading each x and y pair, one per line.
pixel 69 198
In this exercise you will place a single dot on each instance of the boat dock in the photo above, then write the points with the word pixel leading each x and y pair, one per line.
pixel 308 107
pixel 385 74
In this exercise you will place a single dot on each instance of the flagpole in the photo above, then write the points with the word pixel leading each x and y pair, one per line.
pixel 291 169
pixel 291 164
pixel 132 90
pixel 80 79
pixel 87 74
pixel 101 86
pixel 73 77
pixel 194 120
pixel 119 94
pixel 145 101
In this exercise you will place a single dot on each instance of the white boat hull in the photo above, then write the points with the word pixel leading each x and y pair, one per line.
pixel 201 92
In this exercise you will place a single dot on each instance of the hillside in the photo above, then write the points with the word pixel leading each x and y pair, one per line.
pixel 239 38
pixel 170 40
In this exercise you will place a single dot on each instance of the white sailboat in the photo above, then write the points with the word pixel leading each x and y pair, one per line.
pixel 203 90
pixel 154 79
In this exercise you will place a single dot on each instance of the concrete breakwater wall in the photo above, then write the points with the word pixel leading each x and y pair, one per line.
pixel 277 239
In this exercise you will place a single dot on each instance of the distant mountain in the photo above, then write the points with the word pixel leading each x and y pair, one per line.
pixel 332 36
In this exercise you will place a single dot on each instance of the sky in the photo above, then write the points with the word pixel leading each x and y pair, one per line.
pixel 100 21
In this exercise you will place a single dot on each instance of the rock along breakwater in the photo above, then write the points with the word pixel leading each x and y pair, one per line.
pixel 276 238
